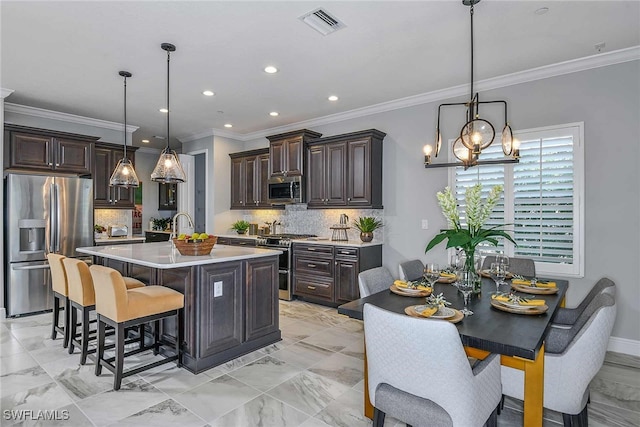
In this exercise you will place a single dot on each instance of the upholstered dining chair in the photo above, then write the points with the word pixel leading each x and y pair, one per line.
pixel 418 373
pixel 522 266
pixel 569 316
pixel 572 358
pixel 374 280
pixel 411 270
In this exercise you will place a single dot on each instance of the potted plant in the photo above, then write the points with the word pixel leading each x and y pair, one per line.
pixel 98 230
pixel 241 226
pixel 161 224
pixel 367 225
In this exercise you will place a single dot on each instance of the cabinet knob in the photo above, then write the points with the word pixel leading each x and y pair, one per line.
pixel 348 199
pixel 241 202
pixel 57 164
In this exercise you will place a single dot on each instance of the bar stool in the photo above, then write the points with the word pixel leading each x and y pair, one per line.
pixel 82 298
pixel 122 308
pixel 60 297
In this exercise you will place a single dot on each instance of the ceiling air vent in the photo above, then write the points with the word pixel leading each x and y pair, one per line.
pixel 322 21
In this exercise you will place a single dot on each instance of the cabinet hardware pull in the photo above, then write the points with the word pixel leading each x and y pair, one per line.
pixel 344 252
pixel 313 288
pixel 311 249
pixel 311 265
pixel 57 164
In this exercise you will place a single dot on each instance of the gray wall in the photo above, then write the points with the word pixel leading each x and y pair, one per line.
pixel 607 101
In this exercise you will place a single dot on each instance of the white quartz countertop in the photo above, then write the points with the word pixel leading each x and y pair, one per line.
pixel 312 240
pixel 115 240
pixel 163 255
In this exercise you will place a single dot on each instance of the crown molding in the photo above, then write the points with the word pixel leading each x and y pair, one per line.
pixel 5 92
pixel 539 73
pixel 65 117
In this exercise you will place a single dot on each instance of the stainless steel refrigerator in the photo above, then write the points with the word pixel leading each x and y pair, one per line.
pixel 42 214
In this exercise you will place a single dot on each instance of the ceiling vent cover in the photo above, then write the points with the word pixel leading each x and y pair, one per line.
pixel 322 21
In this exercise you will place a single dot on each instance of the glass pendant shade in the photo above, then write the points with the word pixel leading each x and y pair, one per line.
pixel 507 140
pixel 461 152
pixel 124 175
pixel 477 132
pixel 168 169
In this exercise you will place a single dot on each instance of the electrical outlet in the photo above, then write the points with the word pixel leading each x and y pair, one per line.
pixel 217 289
pixel 425 224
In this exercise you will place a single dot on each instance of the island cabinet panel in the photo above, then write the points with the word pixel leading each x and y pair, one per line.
pixel 220 306
pixel 182 280
pixel 262 299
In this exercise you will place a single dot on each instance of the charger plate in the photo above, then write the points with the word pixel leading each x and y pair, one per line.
pixel 534 290
pixel 519 309
pixel 406 292
pixel 411 311
pixel 485 273
pixel 444 279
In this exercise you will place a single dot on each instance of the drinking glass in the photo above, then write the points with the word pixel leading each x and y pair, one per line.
pixel 432 273
pixel 498 272
pixel 504 261
pixel 465 283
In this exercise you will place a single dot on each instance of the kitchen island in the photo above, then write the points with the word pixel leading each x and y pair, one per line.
pixel 231 296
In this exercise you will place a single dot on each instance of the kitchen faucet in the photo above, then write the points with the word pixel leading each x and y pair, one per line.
pixel 174 228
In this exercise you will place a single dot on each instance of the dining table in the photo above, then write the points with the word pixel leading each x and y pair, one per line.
pixel 518 338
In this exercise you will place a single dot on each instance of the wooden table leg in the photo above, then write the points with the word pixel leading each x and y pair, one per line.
pixel 533 390
pixel 368 407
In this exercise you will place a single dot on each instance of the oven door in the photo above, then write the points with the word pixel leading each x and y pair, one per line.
pixel 284 271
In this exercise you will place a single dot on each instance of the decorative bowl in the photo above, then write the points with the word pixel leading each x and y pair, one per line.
pixel 195 247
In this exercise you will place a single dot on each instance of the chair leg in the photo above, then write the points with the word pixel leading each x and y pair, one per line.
pixel 85 335
pixel 156 337
pixel 56 316
pixel 577 420
pixel 141 332
pixel 493 418
pixel 67 321
pixel 100 349
pixel 119 361
pixel 378 417
pixel 179 336
pixel 73 321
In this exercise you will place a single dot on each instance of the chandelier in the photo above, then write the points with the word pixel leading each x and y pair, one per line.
pixel 476 134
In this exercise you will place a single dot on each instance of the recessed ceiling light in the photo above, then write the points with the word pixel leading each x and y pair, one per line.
pixel 270 69
pixel 208 93
pixel 333 98
pixel 274 113
pixel 228 125
pixel 146 141
pixel 164 110
pixel 541 11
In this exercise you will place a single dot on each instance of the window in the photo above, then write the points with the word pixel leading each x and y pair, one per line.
pixel 543 197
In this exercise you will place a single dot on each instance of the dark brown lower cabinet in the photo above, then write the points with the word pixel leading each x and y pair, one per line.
pixel 231 308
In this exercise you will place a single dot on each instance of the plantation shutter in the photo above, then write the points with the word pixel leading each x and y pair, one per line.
pixel 541 202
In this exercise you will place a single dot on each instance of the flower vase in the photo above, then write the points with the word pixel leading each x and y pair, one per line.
pixel 472 264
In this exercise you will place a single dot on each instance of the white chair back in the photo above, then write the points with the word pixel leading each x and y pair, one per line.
pixel 374 280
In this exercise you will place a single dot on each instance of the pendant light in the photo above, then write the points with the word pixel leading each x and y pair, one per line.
pixel 124 175
pixel 168 170
pixel 477 134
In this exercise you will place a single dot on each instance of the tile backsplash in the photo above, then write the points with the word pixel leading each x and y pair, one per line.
pixel 106 217
pixel 297 219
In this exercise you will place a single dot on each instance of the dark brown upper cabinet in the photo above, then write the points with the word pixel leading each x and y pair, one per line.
pixel 106 159
pixel 286 152
pixel 167 197
pixel 345 170
pixel 47 150
pixel 249 179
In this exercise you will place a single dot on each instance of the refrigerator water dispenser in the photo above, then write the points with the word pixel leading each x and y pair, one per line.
pixel 32 235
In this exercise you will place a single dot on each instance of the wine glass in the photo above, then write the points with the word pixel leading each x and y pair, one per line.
pixel 498 272
pixel 504 261
pixel 432 273
pixel 465 284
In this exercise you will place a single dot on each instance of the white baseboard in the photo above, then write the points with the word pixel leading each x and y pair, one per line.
pixel 3 313
pixel 625 346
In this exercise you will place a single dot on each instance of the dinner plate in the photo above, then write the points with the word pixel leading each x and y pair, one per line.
pixel 534 289
pixel 442 313
pixel 485 273
pixel 409 292
pixel 521 309
pixel 458 316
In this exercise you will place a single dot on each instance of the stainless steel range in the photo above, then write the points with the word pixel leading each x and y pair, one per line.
pixel 282 242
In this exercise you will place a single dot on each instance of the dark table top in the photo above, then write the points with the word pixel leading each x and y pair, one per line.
pixel 488 328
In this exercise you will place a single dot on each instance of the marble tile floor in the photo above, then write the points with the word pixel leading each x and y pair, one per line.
pixel 312 378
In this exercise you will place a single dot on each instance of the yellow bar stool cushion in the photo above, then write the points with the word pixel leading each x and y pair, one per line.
pixel 60 298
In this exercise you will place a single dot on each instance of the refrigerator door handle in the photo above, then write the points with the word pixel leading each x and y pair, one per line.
pixel 32 267
pixel 58 225
pixel 51 234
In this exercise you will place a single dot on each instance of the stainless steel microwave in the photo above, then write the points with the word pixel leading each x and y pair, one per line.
pixel 285 190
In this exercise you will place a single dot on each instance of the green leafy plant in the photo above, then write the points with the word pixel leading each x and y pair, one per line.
pixel 472 234
pixel 240 225
pixel 161 223
pixel 367 224
pixel 99 228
